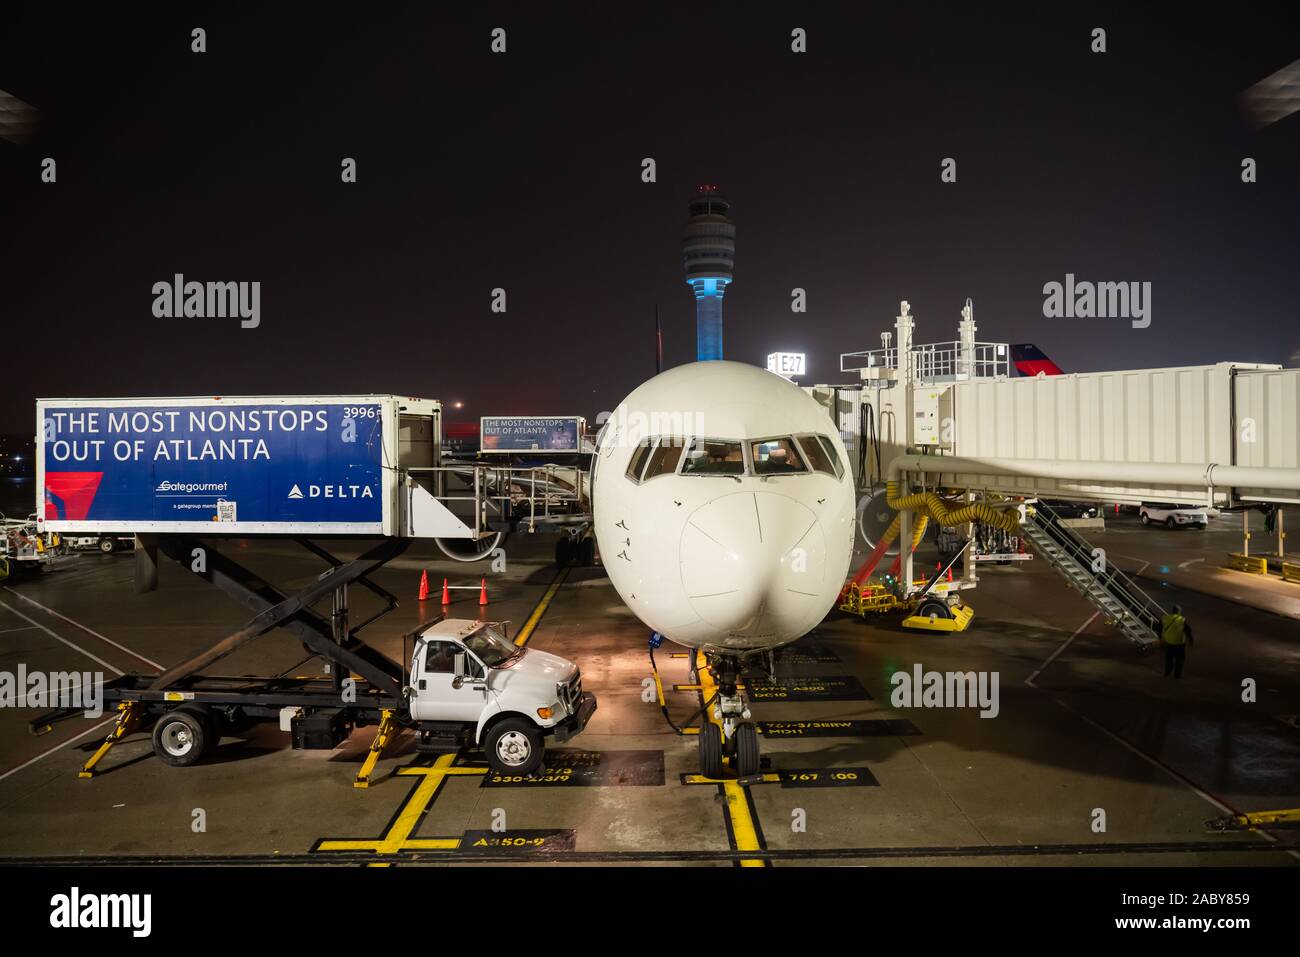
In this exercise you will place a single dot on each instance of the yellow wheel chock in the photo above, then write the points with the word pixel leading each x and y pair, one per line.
pixel 960 620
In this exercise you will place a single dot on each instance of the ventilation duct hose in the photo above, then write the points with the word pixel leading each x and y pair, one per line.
pixel 930 505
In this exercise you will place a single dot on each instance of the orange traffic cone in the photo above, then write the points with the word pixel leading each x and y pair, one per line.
pixel 950 574
pixel 424 585
pixel 446 593
pixel 482 593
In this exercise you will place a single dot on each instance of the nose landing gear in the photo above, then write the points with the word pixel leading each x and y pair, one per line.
pixel 726 729
pixel 725 732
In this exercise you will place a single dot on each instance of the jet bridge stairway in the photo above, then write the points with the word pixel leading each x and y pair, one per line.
pixel 1127 607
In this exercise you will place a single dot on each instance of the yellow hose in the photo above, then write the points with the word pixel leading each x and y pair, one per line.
pixel 929 504
pixel 917 532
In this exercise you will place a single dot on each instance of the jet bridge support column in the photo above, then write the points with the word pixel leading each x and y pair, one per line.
pixel 905 548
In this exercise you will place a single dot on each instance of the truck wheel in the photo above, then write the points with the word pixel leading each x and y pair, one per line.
pixel 514 746
pixel 181 737
pixel 587 551
pixel 1146 519
pixel 746 750
pixel 107 545
pixel 563 550
pixel 710 750
pixel 1170 523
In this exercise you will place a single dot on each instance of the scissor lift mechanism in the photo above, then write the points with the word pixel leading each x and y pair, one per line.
pixel 378 694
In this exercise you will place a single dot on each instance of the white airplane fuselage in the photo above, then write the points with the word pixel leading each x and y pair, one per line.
pixel 724 507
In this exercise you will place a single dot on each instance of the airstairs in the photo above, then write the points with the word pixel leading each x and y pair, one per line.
pixel 1125 605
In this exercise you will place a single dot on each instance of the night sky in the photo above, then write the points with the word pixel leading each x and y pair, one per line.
pixel 523 171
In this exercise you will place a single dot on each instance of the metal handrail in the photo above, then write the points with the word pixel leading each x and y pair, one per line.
pixel 556 494
pixel 1079 549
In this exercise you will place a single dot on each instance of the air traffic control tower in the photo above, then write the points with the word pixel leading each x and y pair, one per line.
pixel 709 255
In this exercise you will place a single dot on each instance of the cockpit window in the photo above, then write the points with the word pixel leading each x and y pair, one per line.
pixel 714 457
pixel 776 457
pixel 638 459
pixel 664 459
pixel 820 453
pixel 829 446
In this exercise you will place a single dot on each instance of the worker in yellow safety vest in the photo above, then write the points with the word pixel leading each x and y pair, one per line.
pixel 1175 636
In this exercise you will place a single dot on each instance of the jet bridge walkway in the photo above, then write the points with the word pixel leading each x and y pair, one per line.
pixel 1125 605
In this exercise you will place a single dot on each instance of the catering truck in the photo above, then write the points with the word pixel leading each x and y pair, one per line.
pixel 467 686
pixel 279 465
pixel 184 475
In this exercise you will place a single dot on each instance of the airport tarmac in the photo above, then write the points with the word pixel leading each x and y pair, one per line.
pixel 1086 729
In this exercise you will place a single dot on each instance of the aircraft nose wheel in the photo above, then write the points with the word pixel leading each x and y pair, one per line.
pixel 710 750
pixel 746 750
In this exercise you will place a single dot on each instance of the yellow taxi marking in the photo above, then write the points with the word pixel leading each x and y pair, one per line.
pixel 398 837
pixel 768 777
pixel 530 625
pixel 744 829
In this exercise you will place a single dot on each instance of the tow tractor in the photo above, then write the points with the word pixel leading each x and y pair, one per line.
pixel 466 685
pixel 23 548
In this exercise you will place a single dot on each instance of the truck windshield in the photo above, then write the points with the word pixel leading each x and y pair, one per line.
pixel 491 648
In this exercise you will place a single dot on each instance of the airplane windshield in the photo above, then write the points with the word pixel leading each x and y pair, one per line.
pixel 775 457
pixel 821 454
pixel 714 457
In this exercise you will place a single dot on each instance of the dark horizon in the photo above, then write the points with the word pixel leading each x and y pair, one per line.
pixel 523 171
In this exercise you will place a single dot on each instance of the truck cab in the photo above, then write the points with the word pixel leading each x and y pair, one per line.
pixel 470 685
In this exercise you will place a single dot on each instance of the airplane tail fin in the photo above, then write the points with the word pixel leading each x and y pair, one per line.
pixel 1030 360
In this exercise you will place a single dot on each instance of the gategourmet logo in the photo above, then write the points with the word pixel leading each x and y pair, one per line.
pixel 190 487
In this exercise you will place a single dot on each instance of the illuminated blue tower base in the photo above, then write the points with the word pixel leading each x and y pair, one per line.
pixel 709 255
pixel 708 317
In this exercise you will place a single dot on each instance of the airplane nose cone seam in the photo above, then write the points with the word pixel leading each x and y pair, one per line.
pixel 749 585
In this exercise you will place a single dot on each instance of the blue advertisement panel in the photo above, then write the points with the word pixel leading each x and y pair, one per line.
pixel 304 464
pixel 530 434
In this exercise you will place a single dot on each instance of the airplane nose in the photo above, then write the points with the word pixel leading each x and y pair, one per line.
pixel 753 564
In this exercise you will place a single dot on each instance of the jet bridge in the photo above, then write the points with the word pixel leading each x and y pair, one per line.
pixel 949 418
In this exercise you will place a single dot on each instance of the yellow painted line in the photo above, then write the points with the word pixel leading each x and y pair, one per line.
pixel 768 778
pixel 742 823
pixel 432 844
pixel 415 806
pixel 530 625
pixel 744 830
pixel 398 837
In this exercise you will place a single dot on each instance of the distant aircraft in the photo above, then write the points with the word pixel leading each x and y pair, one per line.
pixel 1030 360
pixel 724 509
